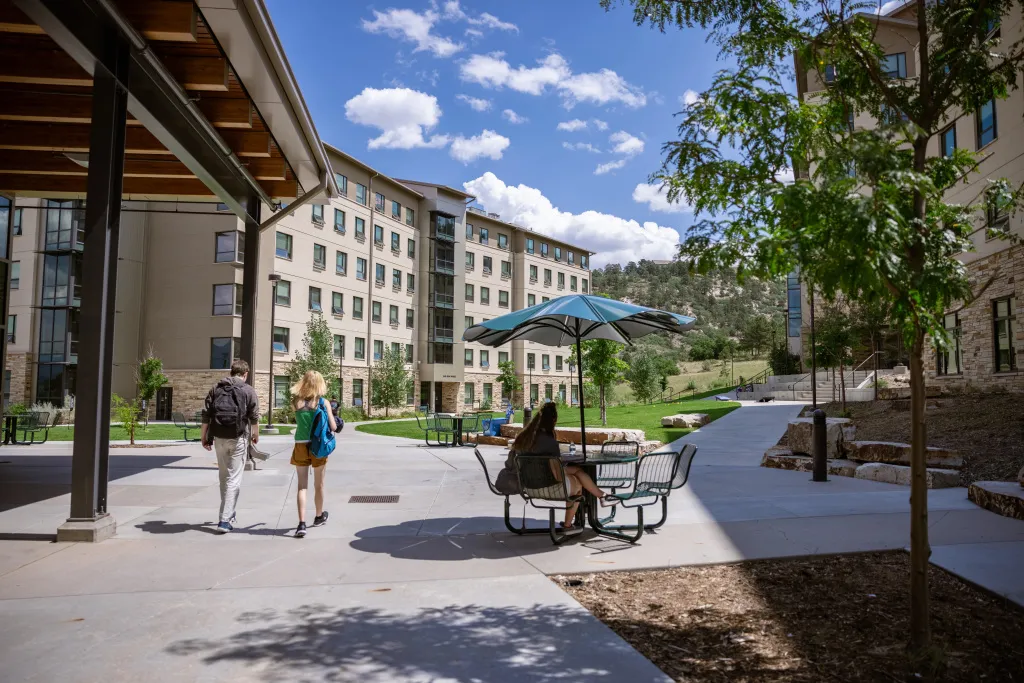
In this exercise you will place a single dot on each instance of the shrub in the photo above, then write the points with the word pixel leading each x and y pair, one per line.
pixel 782 362
pixel 706 366
pixel 691 386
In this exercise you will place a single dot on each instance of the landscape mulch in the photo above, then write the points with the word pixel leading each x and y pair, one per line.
pixel 986 429
pixel 841 618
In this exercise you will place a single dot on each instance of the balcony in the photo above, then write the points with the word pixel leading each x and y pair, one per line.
pixel 444 266
pixel 444 335
pixel 442 300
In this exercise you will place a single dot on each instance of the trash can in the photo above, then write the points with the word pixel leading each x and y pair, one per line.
pixel 527 414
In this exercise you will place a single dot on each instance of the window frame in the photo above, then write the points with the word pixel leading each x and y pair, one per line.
pixel 320 264
pixel 234 344
pixel 410 318
pixel 339 213
pixel 980 132
pixel 286 344
pixel 340 268
pixel 1009 319
pixel 337 303
pixel 357 308
pixel 901 65
pixel 317 216
pixel 235 306
pixel 286 298
pixel 361 261
pixel 942 355
pixel 316 303
pixel 376 312
pixel 289 240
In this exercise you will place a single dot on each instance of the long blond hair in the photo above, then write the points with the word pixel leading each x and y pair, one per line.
pixel 311 387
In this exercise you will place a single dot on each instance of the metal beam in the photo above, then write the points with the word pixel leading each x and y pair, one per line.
pixel 251 286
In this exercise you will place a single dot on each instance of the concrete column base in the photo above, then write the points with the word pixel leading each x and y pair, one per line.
pixel 87 530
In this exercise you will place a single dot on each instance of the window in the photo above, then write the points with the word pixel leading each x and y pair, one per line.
pixel 12 328
pixel 469 292
pixel 339 346
pixel 584 260
pixel 227 299
pixel 997 218
pixel 283 293
pixel 229 246
pixel 314 299
pixel 408 353
pixel 360 354
pixel 488 393
pixel 284 245
pixel 357 392
pixel 502 298
pixel 393 315
pixel 830 73
pixel 318 214
pixel 410 247
pixel 488 263
pixel 396 242
pixel 339 221
pixel 586 286
pixel 337 303
pixel 531 299
pixel 894 65
pixel 947 141
pixel 281 339
pixel 378 234
pixel 543 249
pixel 409 317
pixel 485 358
pixel 950 359
pixel 561 280
pixel 502 241
pixel 357 307
pixel 396 348
pixel 360 268
pixel 570 258
pixel 282 395
pixel 545 362
pixel 548 393
pixel 378 349
pixel 341 263
pixel 16 275
pixel 502 357
pixel 360 228
pixel 533 273
pixel 545 299
pixel 469 231
pixel 410 216
pixel 375 312
pixel 468 398
pixel 534 394
pixel 378 201
pixel 470 260
pixel 396 210
pixel 1003 317
pixel 319 256
pixel 558 363
pixel 506 269
pixel 223 350
pixel 470 321
pixel 16 226
pixel 531 361
pixel 485 296
pixel 558 253
pixel 378 273
pixel 342 182
pixel 793 305
pixel 529 245
pixel 441 353
pixel 986 119
pixel 547 277
pixel 572 283
pixel 410 282
pixel 468 360
pixel 396 279
pixel 483 235
pixel 574 394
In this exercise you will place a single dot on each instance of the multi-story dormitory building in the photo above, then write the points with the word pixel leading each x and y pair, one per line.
pixel 390 264
pixel 987 337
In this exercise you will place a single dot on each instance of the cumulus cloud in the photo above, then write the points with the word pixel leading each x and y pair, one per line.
pixel 610 166
pixel 453 12
pixel 488 144
pixel 402 115
pixel 626 144
pixel 474 33
pixel 887 7
pixel 572 126
pixel 513 117
pixel 475 103
pixel 412 27
pixel 581 147
pixel 600 87
pixel 654 197
pixel 600 125
pixel 614 239
pixel 689 98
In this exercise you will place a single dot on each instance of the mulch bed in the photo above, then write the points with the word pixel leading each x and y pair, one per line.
pixel 986 429
pixel 842 618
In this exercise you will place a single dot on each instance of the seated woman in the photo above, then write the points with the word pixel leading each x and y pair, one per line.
pixel 539 438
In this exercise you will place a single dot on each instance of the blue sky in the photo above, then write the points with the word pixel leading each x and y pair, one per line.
pixel 423 90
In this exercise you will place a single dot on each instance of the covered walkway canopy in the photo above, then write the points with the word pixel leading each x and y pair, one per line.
pixel 151 100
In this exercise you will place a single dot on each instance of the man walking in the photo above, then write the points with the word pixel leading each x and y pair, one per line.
pixel 230 416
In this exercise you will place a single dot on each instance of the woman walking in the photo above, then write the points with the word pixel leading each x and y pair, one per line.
pixel 307 395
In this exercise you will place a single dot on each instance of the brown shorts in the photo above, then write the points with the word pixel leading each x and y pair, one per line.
pixel 301 457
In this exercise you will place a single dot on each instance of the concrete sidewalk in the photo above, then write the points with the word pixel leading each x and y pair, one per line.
pixel 362 597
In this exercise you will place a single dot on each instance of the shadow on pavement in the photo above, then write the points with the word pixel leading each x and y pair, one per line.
pixel 454 539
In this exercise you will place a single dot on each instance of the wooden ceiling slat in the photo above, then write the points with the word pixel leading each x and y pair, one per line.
pixel 62 185
pixel 199 73
pixel 13 20
pixel 248 144
pixel 165 21
pixel 41 67
pixel 26 162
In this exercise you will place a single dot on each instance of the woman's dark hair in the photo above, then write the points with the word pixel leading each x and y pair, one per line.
pixel 543 422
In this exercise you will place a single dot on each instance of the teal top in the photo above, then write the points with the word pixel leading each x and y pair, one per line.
pixel 304 421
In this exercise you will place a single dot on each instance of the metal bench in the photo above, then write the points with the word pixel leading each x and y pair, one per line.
pixel 522 529
pixel 33 423
pixel 657 475
pixel 544 485
pixel 182 423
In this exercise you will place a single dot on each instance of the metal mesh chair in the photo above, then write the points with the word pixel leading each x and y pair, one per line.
pixel 33 423
pixel 470 424
pixel 657 475
pixel 443 427
pixel 617 475
pixel 544 485
pixel 522 529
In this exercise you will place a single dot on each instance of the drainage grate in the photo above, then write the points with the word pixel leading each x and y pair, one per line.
pixel 373 499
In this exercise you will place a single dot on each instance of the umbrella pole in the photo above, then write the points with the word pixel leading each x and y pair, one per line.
pixel 579 370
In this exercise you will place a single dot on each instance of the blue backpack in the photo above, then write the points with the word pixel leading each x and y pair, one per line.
pixel 321 438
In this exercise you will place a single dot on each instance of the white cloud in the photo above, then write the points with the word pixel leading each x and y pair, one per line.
pixel 581 147
pixel 654 197
pixel 475 103
pixel 572 126
pixel 488 144
pixel 614 239
pixel 689 98
pixel 887 7
pixel 402 115
pixel 600 125
pixel 413 27
pixel 610 166
pixel 601 87
pixel 453 12
pixel 474 33
pixel 626 144
pixel 513 117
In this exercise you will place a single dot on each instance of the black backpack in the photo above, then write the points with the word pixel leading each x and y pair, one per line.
pixel 229 409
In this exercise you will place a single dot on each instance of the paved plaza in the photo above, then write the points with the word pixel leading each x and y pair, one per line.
pixel 431 588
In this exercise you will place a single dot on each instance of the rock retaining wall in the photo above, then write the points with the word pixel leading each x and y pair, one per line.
pixel 1005 498
pixel 595 436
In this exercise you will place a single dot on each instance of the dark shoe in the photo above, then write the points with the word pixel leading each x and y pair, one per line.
pixel 320 520
pixel 301 530
pixel 225 528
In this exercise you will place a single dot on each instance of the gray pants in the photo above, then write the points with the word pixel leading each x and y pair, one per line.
pixel 231 455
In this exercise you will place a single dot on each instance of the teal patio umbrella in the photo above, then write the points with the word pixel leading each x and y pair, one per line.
pixel 574 319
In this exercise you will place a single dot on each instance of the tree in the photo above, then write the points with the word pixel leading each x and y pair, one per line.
pixel 642 375
pixel 756 335
pixel 601 363
pixel 390 381
pixel 865 212
pixel 317 353
pixel 127 413
pixel 704 347
pixel 508 379
pixel 833 343
pixel 149 377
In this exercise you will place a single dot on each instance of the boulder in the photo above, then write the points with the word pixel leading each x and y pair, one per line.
pixel 837 430
pixel 595 435
pixel 899 454
pixel 484 440
pixel 650 446
pixel 686 420
pixel 1002 497
pixel 783 459
pixel 900 474
pixel 1020 476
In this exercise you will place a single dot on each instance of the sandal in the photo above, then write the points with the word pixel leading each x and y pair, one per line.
pixel 567 527
pixel 608 500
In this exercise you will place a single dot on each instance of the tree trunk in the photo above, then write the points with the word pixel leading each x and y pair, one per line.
pixel 842 387
pixel 604 416
pixel 920 551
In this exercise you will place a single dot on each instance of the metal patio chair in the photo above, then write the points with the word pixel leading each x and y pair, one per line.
pixel 544 485
pixel 522 529
pixel 657 475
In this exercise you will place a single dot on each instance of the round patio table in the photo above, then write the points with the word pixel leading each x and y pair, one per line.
pixel 457 426
pixel 589 510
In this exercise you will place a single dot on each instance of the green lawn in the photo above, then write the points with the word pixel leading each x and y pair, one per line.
pixel 156 432
pixel 693 371
pixel 645 417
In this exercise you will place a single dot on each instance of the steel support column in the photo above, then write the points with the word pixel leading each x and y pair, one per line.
pixel 99 275
pixel 251 285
